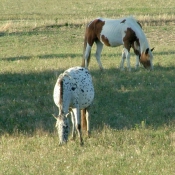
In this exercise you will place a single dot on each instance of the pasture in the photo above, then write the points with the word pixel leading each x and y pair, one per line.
pixel 133 114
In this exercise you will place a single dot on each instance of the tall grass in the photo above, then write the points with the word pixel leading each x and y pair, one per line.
pixel 132 115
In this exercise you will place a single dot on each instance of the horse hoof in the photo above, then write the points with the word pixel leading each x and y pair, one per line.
pixel 81 143
pixel 101 69
pixel 88 134
pixel 73 138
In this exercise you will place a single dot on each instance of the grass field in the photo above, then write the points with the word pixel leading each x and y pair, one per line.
pixel 133 114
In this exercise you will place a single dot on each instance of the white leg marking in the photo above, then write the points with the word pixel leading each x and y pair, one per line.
pixel 73 124
pixel 78 122
pixel 152 67
pixel 88 121
pixel 127 59
pixel 137 62
pixel 98 53
pixel 87 52
pixel 122 60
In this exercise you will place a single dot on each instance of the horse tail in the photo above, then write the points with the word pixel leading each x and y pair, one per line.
pixel 83 120
pixel 84 50
pixel 60 83
pixel 139 24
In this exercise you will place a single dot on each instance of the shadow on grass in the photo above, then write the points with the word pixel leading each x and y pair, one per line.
pixel 26 102
pixel 122 99
pixel 48 56
pixel 43 29
pixel 73 55
pixel 50 28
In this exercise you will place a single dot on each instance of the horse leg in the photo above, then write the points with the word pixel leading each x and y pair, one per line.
pixel 87 55
pixel 127 53
pixel 98 53
pixel 152 67
pixel 78 123
pixel 83 120
pixel 137 62
pixel 73 125
pixel 88 121
pixel 136 49
pixel 122 60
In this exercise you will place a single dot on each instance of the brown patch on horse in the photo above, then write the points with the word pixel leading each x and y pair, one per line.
pixel 83 120
pixel 145 59
pixel 83 62
pixel 135 50
pixel 105 40
pixel 129 39
pixel 93 31
pixel 123 21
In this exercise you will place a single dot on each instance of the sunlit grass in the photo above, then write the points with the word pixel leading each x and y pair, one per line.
pixel 138 151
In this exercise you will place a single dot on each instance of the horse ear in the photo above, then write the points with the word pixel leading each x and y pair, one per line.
pixel 146 52
pixel 152 49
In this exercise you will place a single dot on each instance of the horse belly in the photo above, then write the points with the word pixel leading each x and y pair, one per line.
pixel 86 99
pixel 115 42
pixel 112 34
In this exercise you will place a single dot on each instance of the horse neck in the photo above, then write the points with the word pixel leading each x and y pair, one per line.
pixel 142 39
pixel 143 43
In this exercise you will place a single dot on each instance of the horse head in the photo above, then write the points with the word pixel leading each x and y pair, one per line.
pixel 146 58
pixel 62 126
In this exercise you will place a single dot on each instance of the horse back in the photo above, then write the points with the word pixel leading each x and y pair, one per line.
pixel 83 86
pixel 111 32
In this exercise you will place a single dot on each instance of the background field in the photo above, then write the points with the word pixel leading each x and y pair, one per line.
pixel 133 115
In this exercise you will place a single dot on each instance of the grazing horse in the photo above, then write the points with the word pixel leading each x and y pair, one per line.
pixel 115 32
pixel 73 92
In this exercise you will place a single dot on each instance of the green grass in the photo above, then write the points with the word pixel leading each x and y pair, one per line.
pixel 140 151
pixel 133 114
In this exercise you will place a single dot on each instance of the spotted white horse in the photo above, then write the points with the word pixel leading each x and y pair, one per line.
pixel 115 32
pixel 73 91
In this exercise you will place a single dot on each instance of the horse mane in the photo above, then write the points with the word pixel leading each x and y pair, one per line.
pixel 144 45
pixel 60 84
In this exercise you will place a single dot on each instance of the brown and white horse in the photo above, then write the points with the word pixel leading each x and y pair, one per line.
pixel 115 32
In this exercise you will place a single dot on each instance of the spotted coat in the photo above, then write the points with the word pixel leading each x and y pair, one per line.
pixel 73 91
